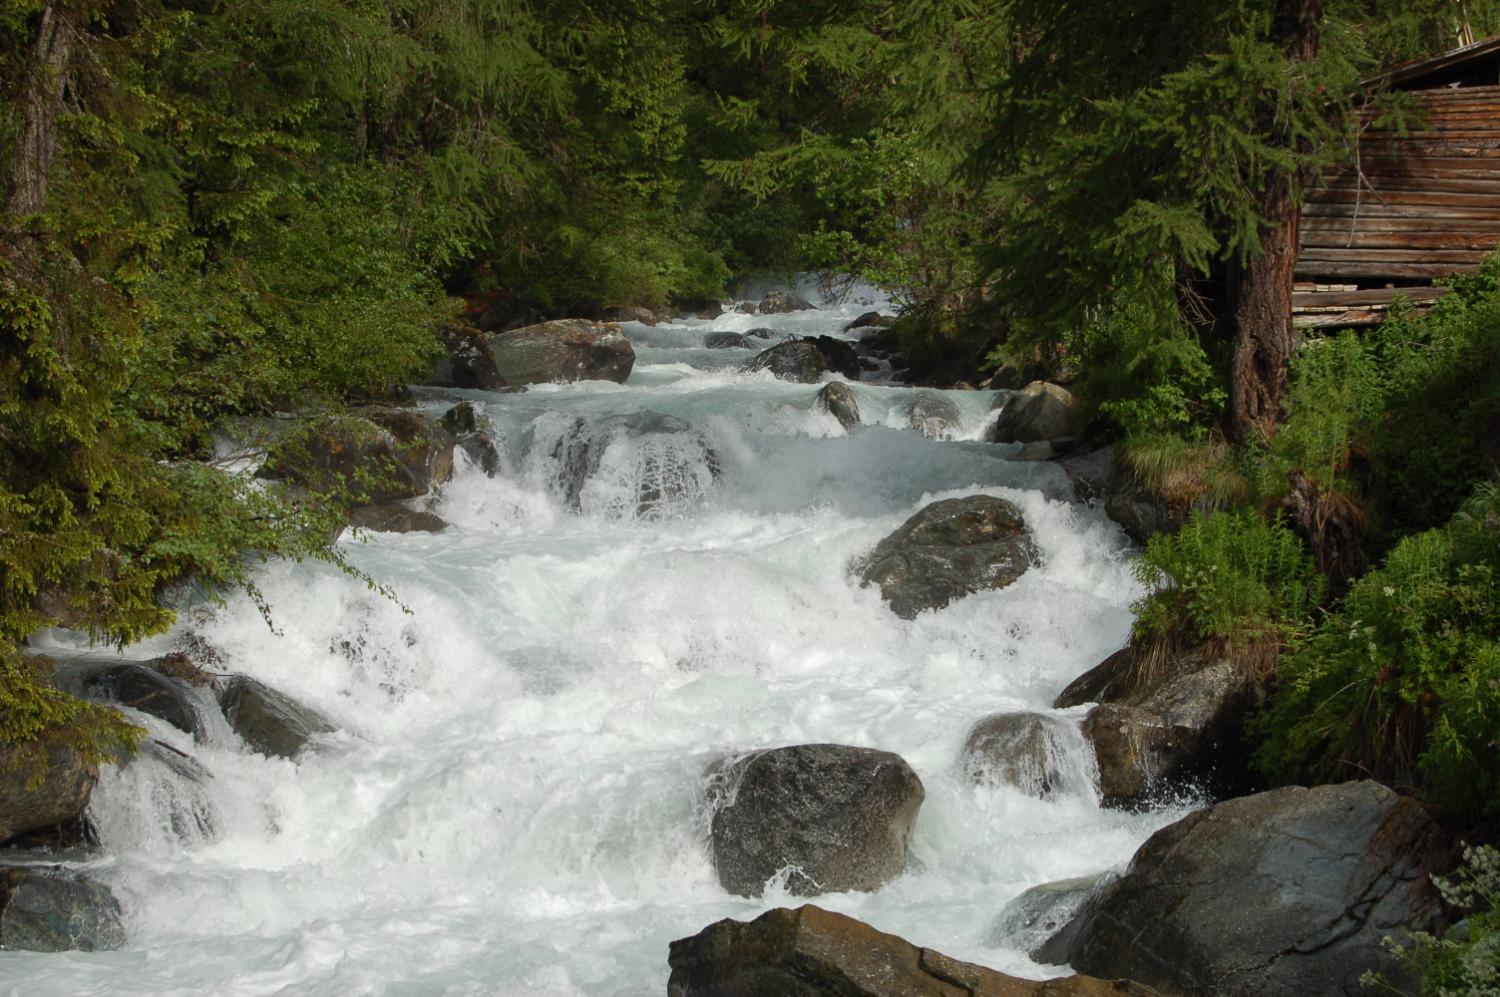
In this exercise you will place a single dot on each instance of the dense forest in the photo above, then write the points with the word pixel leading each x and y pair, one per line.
pixel 220 209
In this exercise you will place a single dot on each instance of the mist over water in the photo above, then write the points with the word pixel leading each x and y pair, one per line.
pixel 514 801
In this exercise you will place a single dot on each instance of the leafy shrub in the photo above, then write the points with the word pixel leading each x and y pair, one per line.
pixel 1466 961
pixel 1226 576
pixel 1403 681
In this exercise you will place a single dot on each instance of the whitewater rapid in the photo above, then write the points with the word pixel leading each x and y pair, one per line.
pixel 514 801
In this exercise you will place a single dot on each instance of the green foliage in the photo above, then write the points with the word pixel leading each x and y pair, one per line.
pixel 1465 962
pixel 1403 681
pixel 34 717
pixel 1227 576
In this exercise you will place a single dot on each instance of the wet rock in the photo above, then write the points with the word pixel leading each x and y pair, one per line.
pixel 871 320
pixel 396 518
pixel 1140 514
pixel 837 399
pixel 60 797
pixel 760 333
pixel 466 361
pixel 747 308
pixel 270 722
pixel 1030 751
pixel 632 313
pixel 1034 917
pixel 836 817
pixel 474 435
pixel 799 360
pixel 1039 411
pixel 932 415
pixel 562 350
pixel 133 684
pixel 948 550
pixel 180 790
pixel 672 461
pixel 52 909
pixel 811 952
pixel 780 302
pixel 378 456
pixel 1089 472
pixel 1167 721
pixel 724 341
pixel 1278 894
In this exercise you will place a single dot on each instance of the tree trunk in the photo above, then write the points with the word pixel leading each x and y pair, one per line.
pixel 1263 286
pixel 29 172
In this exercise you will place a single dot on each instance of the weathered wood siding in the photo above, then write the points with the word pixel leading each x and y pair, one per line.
pixel 1417 206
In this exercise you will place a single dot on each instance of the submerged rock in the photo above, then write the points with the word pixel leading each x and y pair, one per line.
pixel 932 415
pixel 661 463
pixel 1029 751
pixel 134 684
pixel 724 341
pixel 52 909
pixel 562 350
pixel 811 952
pixel 1280 894
pixel 949 549
pixel 41 792
pixel 269 721
pixel 837 399
pixel 832 817
pixel 474 435
pixel 1039 411
pixel 779 302
pixel 1034 917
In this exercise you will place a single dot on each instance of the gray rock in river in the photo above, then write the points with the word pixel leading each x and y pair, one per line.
pixel 270 722
pixel 1280 894
pixel 932 415
pixel 871 320
pixel 1039 411
pixel 837 399
pixel 1029 751
pixel 778 302
pixel 562 350
pixel 38 793
pixel 134 684
pixel 378 456
pixel 466 361
pixel 670 470
pixel 1031 919
pixel 837 817
pixel 52 909
pixel 473 433
pixel 396 518
pixel 811 952
pixel 949 549
pixel 724 341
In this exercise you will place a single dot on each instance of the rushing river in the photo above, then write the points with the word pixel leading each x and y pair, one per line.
pixel 514 803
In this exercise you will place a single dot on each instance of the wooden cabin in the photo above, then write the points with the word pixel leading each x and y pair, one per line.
pixel 1415 206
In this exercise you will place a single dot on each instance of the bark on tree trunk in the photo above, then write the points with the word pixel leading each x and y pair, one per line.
pixel 1263 288
pixel 29 171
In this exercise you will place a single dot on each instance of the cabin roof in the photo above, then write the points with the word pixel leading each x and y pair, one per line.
pixel 1478 62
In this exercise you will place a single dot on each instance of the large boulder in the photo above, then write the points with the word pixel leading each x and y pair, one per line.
pixel 1186 732
pixel 837 399
pixel 834 817
pixel 41 788
pixel 52 909
pixel 947 550
pixel 562 350
pixel 1030 751
pixel 134 684
pixel 466 361
pixel 1167 720
pixel 932 415
pixel 1280 894
pixel 269 721
pixel 1039 411
pixel 806 360
pixel 778 302
pixel 811 952
pixel 376 457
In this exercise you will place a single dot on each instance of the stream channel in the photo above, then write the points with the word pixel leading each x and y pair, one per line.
pixel 514 803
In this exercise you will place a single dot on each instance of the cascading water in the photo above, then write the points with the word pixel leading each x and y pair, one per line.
pixel 657 576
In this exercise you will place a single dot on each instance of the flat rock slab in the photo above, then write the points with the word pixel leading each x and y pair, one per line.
pixel 811 952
